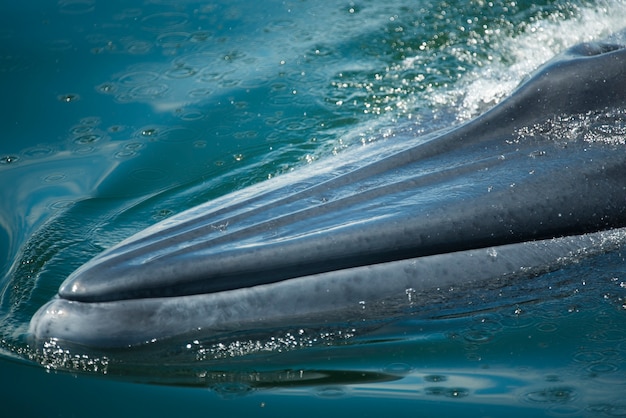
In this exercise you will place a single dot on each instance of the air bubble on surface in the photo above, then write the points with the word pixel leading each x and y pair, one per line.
pixel 138 47
pixel 180 72
pixel 87 139
pixel 435 378
pixel 173 39
pixel 54 177
pixel 68 98
pixel 61 204
pixel 552 395
pixel 8 159
pixel 136 78
pixel 148 91
pixel 330 392
pixel 447 392
pixel 37 152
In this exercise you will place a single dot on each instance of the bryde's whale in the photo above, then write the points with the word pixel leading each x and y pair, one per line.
pixel 533 183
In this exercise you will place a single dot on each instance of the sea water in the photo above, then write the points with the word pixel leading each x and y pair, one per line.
pixel 118 114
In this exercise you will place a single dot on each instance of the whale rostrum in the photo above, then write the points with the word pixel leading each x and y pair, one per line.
pixel 520 189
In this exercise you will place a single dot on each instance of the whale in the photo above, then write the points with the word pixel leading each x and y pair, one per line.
pixel 529 186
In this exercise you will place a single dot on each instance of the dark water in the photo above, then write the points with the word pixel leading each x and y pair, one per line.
pixel 117 114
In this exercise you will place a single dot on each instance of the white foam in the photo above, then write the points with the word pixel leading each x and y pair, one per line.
pixel 539 42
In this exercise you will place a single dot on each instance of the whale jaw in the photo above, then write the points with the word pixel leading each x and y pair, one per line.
pixel 422 218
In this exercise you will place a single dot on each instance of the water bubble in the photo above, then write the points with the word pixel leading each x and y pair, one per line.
pixel 162 214
pixel 149 132
pixel 61 204
pixel 588 356
pixel 477 336
pixel 68 98
pixel 37 152
pixel 552 395
pixel 397 368
pixel 435 378
pixel 200 36
pixel 180 72
pixel 173 39
pixel 106 88
pixel 547 327
pixel 165 22
pixel 54 178
pixel 447 392
pixel 611 410
pixel 135 78
pixel 330 392
pixel 125 154
pixel 148 91
pixel 537 153
pixel 201 92
pixel 232 390
pixel 87 139
pixel 191 114
pixel 8 159
pixel 602 368
pixel 138 47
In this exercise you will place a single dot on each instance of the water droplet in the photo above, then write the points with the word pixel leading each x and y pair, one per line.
pixel 547 327
pixel 537 153
pixel 8 159
pixel 477 336
pixel 106 88
pixel 67 98
pixel 149 132
pixel 180 72
pixel 87 139
pixel 601 368
pixel 330 392
pixel 232 390
pixel 447 392
pixel 165 22
pixel 53 178
pixel 588 356
pixel 138 47
pixel 434 378
pixel 37 152
pixel 148 91
pixel 397 368
pixel 136 78
pixel 202 92
pixel 552 395
pixel 125 154
pixel 173 39
pixel 61 204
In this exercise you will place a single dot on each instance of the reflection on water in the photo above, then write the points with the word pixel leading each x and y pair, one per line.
pixel 116 115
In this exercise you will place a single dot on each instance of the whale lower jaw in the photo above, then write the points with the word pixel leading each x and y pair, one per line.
pixel 293 302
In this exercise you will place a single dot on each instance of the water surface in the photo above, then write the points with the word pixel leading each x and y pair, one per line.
pixel 118 114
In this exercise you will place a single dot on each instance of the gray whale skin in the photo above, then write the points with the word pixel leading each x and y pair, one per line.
pixel 517 191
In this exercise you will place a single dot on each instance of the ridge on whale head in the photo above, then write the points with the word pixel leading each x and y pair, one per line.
pixel 419 218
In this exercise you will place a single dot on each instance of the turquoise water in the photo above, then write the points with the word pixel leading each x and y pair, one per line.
pixel 117 114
